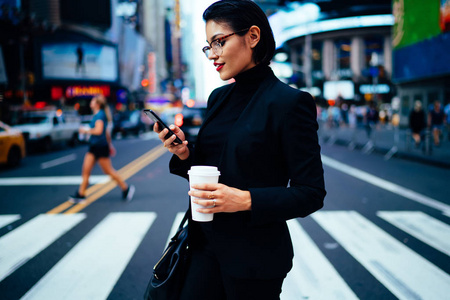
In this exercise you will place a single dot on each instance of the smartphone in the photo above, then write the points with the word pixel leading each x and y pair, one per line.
pixel 152 115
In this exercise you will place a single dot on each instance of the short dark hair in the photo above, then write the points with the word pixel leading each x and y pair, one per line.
pixel 242 14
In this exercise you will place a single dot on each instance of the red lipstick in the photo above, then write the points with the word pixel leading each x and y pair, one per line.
pixel 219 66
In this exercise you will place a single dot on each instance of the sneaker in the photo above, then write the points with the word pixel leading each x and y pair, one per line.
pixel 77 198
pixel 129 193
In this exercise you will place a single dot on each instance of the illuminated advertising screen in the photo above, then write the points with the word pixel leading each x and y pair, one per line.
pixel 79 61
pixel 421 39
pixel 342 88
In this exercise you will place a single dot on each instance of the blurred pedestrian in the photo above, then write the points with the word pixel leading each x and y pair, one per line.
pixel 344 114
pixel 80 60
pixel 417 122
pixel 100 150
pixel 371 119
pixel 360 112
pixel 447 118
pixel 246 251
pixel 352 116
pixel 436 118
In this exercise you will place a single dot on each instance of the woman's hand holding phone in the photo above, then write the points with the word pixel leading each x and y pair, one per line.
pixel 180 150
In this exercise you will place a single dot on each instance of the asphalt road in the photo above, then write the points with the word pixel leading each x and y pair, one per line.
pixel 384 232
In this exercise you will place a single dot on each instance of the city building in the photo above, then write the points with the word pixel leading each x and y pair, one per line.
pixel 336 51
pixel 61 53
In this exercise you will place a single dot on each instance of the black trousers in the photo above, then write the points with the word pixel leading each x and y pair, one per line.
pixel 206 281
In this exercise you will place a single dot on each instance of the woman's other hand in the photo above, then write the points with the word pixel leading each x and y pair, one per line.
pixel 180 150
pixel 224 198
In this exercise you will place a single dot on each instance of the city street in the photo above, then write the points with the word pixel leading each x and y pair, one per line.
pixel 384 232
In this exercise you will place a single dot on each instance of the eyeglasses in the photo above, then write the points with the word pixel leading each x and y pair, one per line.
pixel 217 45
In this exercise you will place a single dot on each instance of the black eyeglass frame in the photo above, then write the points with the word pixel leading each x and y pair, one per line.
pixel 219 42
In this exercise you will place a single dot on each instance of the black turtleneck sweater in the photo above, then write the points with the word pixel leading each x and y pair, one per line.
pixel 215 134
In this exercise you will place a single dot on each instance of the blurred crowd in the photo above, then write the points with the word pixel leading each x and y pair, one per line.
pixel 435 119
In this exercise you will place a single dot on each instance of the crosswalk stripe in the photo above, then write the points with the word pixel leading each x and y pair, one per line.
pixel 312 276
pixel 91 269
pixel 8 219
pixel 425 228
pixel 20 245
pixel 175 225
pixel 51 180
pixel 405 273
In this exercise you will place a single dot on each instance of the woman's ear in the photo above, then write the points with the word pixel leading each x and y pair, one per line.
pixel 254 35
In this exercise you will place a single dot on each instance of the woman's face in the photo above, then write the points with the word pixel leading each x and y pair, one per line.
pixel 94 105
pixel 236 54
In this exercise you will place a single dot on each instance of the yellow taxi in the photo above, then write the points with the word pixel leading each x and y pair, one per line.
pixel 12 145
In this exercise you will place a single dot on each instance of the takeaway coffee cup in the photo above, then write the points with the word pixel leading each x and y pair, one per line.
pixel 202 174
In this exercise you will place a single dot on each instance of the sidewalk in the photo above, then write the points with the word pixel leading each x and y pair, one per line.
pixel 389 141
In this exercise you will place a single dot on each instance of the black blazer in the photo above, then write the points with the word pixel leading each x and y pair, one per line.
pixel 273 152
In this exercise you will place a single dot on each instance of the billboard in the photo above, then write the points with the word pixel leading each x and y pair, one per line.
pixel 79 61
pixel 421 39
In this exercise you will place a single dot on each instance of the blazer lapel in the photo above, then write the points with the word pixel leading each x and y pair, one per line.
pixel 247 110
pixel 216 105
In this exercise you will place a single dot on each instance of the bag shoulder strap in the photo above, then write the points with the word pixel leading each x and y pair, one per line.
pixel 186 215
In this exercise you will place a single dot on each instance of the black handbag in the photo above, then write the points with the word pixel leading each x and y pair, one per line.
pixel 170 270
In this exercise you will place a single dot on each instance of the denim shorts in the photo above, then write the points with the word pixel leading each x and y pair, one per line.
pixel 437 126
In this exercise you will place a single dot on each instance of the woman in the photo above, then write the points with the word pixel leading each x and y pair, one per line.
pixel 262 136
pixel 436 118
pixel 417 122
pixel 100 148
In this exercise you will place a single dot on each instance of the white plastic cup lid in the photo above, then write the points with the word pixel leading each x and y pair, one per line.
pixel 204 171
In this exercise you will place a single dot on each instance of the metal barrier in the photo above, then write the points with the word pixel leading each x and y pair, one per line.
pixel 427 148
pixel 394 148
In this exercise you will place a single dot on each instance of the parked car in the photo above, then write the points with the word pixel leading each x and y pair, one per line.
pixel 12 145
pixel 45 128
pixel 128 123
pixel 190 119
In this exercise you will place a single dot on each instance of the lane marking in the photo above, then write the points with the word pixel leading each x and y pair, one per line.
pixel 312 275
pixel 94 265
pixel 421 226
pixel 125 173
pixel 23 243
pixel 51 180
pixel 60 208
pixel 405 273
pixel 8 219
pixel 384 184
pixel 58 161
pixel 103 188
